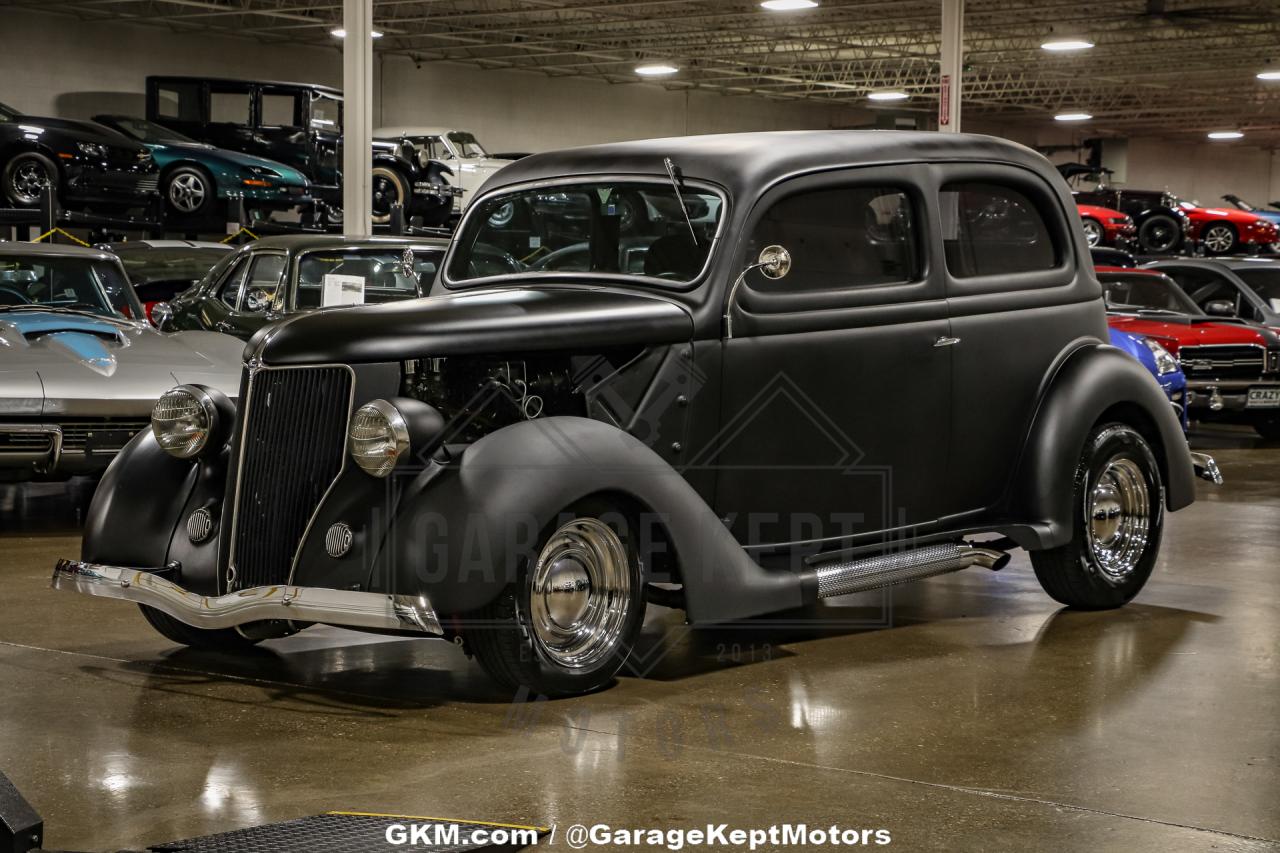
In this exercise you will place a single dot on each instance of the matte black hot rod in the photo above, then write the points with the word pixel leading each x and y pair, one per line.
pixel 801 365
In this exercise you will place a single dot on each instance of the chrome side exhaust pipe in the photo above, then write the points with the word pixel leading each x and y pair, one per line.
pixel 849 576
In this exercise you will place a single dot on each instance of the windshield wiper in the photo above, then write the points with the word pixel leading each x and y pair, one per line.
pixel 675 185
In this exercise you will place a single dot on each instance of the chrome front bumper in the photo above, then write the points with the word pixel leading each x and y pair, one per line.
pixel 297 603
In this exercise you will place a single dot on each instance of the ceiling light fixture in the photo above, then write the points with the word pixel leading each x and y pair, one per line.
pixel 1226 134
pixel 1269 75
pixel 340 33
pixel 788 5
pixel 893 95
pixel 658 69
pixel 1073 116
pixel 1065 45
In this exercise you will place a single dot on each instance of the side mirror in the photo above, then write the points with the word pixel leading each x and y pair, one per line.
pixel 1220 308
pixel 160 314
pixel 774 262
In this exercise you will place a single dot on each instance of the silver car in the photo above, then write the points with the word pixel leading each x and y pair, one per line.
pixel 80 368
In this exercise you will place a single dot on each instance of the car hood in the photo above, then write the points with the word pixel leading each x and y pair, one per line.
pixel 53 363
pixel 83 131
pixel 1189 331
pixel 1215 214
pixel 210 154
pixel 499 320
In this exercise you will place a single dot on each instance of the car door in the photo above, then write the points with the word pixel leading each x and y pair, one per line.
pixel 1020 291
pixel 241 302
pixel 836 383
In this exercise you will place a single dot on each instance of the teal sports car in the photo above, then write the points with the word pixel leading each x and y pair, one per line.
pixel 196 179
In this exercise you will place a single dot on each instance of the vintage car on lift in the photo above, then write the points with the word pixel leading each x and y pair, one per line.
pixel 277 276
pixel 523 460
pixel 1232 366
pixel 1162 225
pixel 89 166
pixel 1106 227
pixel 198 180
pixel 300 125
pixel 79 370
pixel 472 165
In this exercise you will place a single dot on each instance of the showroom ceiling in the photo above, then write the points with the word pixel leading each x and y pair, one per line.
pixel 1173 66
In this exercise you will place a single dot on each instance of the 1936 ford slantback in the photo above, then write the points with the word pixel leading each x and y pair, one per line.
pixel 731 374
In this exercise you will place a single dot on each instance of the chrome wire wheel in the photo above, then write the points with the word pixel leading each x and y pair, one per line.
pixel 1219 239
pixel 27 181
pixel 1117 519
pixel 187 192
pixel 1093 232
pixel 579 595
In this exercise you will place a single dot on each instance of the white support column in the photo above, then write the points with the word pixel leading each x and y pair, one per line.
pixel 357 119
pixel 952 65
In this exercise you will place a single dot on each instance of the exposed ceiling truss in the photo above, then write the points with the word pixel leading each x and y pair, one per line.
pixel 1168 66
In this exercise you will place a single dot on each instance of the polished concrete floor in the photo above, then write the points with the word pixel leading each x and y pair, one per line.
pixel 966 712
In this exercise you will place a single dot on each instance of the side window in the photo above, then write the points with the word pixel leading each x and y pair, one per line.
pixel 840 237
pixel 262 282
pixel 437 149
pixel 279 110
pixel 179 101
pixel 993 229
pixel 229 107
pixel 229 288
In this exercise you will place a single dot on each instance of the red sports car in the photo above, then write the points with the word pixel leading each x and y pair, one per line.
pixel 1224 230
pixel 1106 227
pixel 1232 367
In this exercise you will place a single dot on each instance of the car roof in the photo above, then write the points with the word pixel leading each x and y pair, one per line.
pixel 413 130
pixel 126 245
pixel 746 162
pixel 18 249
pixel 299 242
pixel 240 81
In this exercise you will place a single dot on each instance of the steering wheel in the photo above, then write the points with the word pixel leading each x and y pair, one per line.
pixel 19 298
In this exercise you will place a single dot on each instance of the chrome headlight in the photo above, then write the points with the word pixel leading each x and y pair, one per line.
pixel 183 419
pixel 377 437
pixel 1165 362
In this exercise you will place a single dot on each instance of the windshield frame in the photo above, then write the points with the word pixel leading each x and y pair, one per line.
pixel 125 125
pixel 1190 309
pixel 128 294
pixel 531 277
pixel 290 304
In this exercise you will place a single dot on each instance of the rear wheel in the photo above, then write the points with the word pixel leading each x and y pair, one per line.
pixel 1093 232
pixel 219 640
pixel 1159 234
pixel 568 623
pixel 1219 239
pixel 389 188
pixel 1118 516
pixel 26 176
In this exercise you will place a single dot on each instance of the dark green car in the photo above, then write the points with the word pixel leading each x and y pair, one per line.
pixel 277 276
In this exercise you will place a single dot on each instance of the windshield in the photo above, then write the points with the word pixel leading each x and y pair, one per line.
pixel 326 112
pixel 150 132
pixel 147 265
pixel 329 277
pixel 635 229
pixel 7 113
pixel 467 145
pixel 1265 283
pixel 82 284
pixel 1143 291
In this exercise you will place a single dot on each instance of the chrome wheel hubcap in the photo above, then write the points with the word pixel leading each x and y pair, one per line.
pixel 28 181
pixel 1092 233
pixel 1117 516
pixel 1160 237
pixel 580 595
pixel 187 192
pixel 1218 239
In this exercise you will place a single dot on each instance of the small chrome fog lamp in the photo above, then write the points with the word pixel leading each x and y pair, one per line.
pixel 377 437
pixel 183 419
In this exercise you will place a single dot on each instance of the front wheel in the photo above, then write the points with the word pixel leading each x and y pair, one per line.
pixel 1118 516
pixel 389 188
pixel 189 191
pixel 217 640
pixel 26 176
pixel 1219 239
pixel 1159 234
pixel 1093 232
pixel 568 623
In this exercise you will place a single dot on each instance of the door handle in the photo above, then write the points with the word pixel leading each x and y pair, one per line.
pixel 946 341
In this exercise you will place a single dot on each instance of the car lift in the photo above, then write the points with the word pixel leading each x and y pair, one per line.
pixel 22 831
pixel 50 218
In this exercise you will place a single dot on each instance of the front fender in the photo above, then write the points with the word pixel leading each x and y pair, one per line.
pixel 460 539
pixel 1095 383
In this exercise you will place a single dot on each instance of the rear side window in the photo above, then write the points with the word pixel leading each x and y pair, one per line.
pixel 229 107
pixel 840 237
pixel 279 110
pixel 993 229
pixel 179 101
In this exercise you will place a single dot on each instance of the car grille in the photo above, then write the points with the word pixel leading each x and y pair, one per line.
pixel 105 436
pixel 292 447
pixel 25 442
pixel 148 185
pixel 1223 362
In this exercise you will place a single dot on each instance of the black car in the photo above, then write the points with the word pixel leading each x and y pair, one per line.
pixel 872 348
pixel 275 277
pixel 1162 224
pixel 300 125
pixel 89 165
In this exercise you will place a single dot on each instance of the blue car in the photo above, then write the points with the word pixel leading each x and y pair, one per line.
pixel 1163 366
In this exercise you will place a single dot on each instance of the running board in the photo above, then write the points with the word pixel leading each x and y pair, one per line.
pixel 849 576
